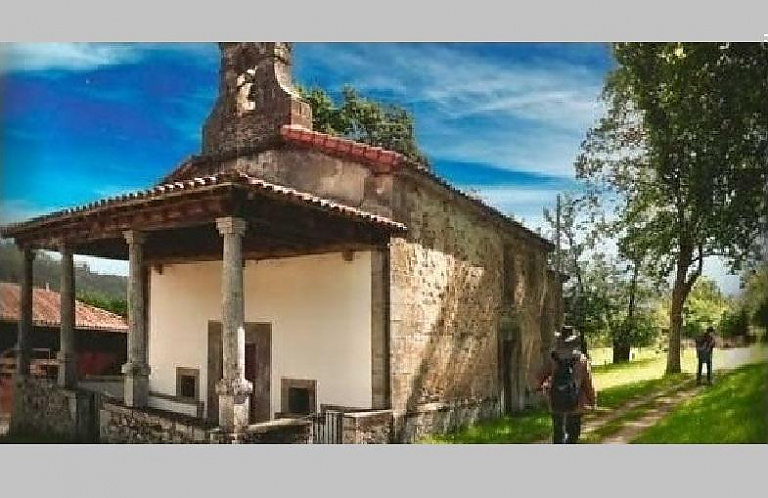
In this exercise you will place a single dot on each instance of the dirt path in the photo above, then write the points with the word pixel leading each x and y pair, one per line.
pixel 658 404
pixel 592 422
pixel 662 405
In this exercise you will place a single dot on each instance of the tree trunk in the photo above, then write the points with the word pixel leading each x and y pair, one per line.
pixel 680 290
pixel 583 343
pixel 675 329
pixel 621 345
pixel 620 352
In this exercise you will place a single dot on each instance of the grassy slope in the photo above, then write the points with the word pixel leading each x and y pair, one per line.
pixel 615 384
pixel 733 410
pixel 535 425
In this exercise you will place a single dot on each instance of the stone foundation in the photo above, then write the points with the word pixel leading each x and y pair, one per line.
pixel 40 406
pixel 280 431
pixel 438 418
pixel 121 424
pixel 370 427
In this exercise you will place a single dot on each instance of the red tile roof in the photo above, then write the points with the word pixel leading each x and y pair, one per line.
pixel 46 310
pixel 219 179
pixel 384 160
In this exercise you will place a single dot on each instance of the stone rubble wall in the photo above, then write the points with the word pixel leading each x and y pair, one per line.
pixel 439 418
pixel 41 406
pixel 448 298
pixel 121 424
pixel 326 176
pixel 277 432
pixel 370 427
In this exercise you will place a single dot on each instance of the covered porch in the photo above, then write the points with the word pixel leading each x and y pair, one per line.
pixel 218 229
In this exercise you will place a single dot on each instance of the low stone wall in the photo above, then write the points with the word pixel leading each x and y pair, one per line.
pixel 437 418
pixel 121 424
pixel 369 427
pixel 41 406
pixel 280 431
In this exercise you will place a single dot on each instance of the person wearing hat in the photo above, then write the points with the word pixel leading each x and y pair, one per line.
pixel 705 344
pixel 567 381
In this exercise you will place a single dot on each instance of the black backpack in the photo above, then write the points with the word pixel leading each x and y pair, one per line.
pixel 564 394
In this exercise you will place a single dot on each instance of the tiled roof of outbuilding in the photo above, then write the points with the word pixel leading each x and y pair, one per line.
pixel 46 310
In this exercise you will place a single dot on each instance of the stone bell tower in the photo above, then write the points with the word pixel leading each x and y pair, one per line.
pixel 256 96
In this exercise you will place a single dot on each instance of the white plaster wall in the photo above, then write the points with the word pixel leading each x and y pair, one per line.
pixel 319 307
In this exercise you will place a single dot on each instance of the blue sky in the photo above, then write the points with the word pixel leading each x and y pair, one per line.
pixel 83 121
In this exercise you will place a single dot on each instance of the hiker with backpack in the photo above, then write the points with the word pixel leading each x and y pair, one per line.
pixel 567 381
pixel 705 344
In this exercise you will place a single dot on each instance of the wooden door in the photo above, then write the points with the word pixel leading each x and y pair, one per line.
pixel 507 351
pixel 215 370
pixel 258 368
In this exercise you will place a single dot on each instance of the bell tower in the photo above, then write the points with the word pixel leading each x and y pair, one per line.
pixel 256 96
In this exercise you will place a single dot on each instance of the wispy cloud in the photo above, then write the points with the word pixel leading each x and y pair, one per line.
pixel 522 114
pixel 64 56
pixel 19 57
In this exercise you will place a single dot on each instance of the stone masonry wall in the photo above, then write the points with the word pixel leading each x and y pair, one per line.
pixel 439 418
pixel 370 427
pixel 121 424
pixel 446 298
pixel 330 177
pixel 447 301
pixel 40 406
pixel 533 321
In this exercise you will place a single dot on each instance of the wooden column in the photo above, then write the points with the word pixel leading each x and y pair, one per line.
pixel 136 370
pixel 25 320
pixel 67 355
pixel 233 389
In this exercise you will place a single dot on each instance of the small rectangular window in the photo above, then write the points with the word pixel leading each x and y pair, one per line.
pixel 187 383
pixel 298 396
pixel 298 400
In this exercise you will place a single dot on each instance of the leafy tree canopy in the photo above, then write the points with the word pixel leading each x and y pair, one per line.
pixel 681 155
pixel 364 120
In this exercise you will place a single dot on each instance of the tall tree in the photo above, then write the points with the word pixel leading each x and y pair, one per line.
pixel 365 120
pixel 681 154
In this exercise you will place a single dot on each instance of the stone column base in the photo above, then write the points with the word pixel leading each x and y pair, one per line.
pixel 136 381
pixel 234 404
pixel 67 370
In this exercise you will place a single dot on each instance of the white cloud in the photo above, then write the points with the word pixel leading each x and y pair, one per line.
pixel 64 56
pixel 89 56
pixel 526 116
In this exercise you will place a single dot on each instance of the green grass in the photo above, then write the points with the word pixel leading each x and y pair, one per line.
pixel 535 425
pixel 650 365
pixel 614 397
pixel 527 426
pixel 615 384
pixel 733 410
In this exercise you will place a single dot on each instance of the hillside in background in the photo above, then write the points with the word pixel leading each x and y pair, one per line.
pixel 106 291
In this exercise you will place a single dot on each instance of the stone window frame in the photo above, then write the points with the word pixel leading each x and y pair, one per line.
pixel 188 372
pixel 287 383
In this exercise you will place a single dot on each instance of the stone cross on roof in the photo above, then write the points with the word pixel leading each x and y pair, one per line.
pixel 256 96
